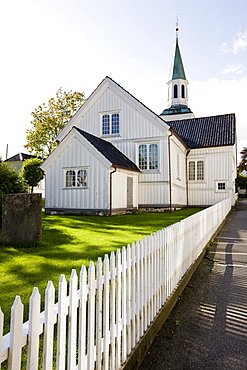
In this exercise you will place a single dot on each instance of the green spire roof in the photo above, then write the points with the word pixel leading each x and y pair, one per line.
pixel 178 68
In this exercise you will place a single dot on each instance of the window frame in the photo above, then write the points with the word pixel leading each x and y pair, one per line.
pixel 218 183
pixel 153 165
pixel 79 174
pixel 113 124
pixel 197 172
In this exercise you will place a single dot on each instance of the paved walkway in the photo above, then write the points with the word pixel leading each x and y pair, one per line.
pixel 208 327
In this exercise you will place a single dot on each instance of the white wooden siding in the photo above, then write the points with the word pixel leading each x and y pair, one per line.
pixel 95 196
pixel 219 165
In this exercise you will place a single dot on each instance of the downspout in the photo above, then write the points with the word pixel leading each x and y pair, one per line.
pixel 111 173
pixel 169 173
pixel 186 177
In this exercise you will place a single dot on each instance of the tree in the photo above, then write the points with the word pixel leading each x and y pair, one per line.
pixel 10 182
pixel 31 172
pixel 243 163
pixel 49 119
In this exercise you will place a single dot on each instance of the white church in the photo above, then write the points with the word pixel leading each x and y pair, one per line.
pixel 116 155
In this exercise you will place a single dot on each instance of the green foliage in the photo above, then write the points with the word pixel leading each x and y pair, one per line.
pixel 31 171
pixel 243 163
pixel 10 181
pixel 49 119
pixel 241 182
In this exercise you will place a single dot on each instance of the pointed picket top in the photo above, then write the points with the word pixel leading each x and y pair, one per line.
pixel 73 282
pixel 50 292
pixel 83 275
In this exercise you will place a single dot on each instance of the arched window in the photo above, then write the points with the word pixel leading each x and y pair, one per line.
pixel 183 91
pixel 175 91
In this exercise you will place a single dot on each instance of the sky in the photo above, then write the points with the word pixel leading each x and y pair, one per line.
pixel 74 44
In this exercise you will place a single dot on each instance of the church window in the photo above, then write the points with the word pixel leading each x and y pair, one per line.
pixel 110 124
pixel 106 124
pixel 175 91
pixel 76 178
pixel 178 167
pixel 183 91
pixel 192 171
pixel 196 170
pixel 70 178
pixel 200 170
pixel 221 186
pixel 148 156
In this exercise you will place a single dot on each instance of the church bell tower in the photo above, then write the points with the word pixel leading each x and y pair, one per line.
pixel 177 90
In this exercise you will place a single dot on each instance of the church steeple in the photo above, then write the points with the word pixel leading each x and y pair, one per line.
pixel 177 89
pixel 178 68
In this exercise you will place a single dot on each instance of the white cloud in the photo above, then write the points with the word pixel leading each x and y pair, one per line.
pixel 234 69
pixel 236 44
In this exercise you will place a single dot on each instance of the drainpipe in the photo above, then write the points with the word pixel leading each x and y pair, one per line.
pixel 169 173
pixel 186 177
pixel 111 173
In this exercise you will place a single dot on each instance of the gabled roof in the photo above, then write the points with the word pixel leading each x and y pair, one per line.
pixel 105 84
pixel 109 151
pixel 178 68
pixel 20 157
pixel 206 131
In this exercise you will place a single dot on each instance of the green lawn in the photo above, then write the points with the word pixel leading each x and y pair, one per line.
pixel 69 242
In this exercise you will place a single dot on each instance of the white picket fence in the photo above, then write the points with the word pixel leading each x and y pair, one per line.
pixel 98 323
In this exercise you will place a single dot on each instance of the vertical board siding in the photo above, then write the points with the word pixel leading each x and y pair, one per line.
pixel 98 324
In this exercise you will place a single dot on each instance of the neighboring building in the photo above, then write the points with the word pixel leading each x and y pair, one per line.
pixel 16 162
pixel 116 154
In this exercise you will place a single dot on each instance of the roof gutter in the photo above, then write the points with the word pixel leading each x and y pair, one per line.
pixel 111 173
pixel 169 173
pixel 186 177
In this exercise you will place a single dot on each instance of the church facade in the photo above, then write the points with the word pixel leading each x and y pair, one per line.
pixel 117 155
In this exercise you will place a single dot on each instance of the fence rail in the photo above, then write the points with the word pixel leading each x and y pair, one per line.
pixel 97 321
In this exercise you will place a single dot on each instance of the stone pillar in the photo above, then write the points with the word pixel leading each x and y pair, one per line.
pixel 21 218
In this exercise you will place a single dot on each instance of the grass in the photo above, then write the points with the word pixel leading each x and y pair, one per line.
pixel 68 242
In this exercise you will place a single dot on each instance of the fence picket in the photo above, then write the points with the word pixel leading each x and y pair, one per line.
pixel 61 323
pixel 34 330
pixel 129 313
pixel 106 314
pixel 1 334
pixel 82 365
pixel 137 245
pixel 91 315
pixel 112 310
pixel 133 296
pixel 99 313
pixel 16 334
pixel 118 308
pixel 124 304
pixel 72 320
pixel 49 326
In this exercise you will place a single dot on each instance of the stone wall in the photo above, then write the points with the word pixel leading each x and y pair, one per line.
pixel 21 218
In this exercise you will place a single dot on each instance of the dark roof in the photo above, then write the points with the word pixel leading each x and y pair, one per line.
pixel 20 157
pixel 109 151
pixel 206 131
